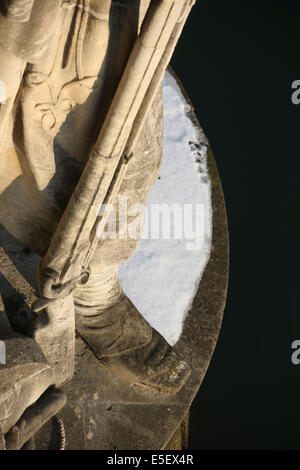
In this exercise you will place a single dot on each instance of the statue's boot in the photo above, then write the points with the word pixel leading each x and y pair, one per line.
pixel 122 339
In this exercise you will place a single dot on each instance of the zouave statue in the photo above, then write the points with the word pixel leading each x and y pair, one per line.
pixel 80 126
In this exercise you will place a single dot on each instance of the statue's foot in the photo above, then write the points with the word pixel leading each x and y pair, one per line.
pixel 155 367
pixel 123 340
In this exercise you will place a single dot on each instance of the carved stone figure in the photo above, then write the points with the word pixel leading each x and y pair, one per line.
pixel 72 70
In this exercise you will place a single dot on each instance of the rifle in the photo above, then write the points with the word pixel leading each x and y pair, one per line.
pixel 66 263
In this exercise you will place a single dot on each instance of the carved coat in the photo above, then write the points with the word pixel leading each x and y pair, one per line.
pixel 61 61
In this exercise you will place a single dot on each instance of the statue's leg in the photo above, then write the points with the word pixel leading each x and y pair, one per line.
pixel 105 318
pixel 122 339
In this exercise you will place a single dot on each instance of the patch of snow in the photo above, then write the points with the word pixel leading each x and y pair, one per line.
pixel 162 277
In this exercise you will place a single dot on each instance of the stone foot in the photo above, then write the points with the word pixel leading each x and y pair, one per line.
pixel 155 367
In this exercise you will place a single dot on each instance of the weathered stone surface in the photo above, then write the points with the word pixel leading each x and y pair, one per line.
pixel 23 378
pixel 21 435
pixel 104 413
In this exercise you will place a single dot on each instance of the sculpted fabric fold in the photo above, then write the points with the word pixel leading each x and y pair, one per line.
pixel 63 61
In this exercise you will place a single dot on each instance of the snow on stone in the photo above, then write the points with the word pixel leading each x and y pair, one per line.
pixel 163 275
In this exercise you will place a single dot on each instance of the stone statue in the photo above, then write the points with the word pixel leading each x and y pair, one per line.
pixel 70 68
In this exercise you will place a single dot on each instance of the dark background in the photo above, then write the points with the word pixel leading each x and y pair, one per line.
pixel 237 62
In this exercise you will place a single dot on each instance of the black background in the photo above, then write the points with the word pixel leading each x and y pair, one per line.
pixel 237 62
